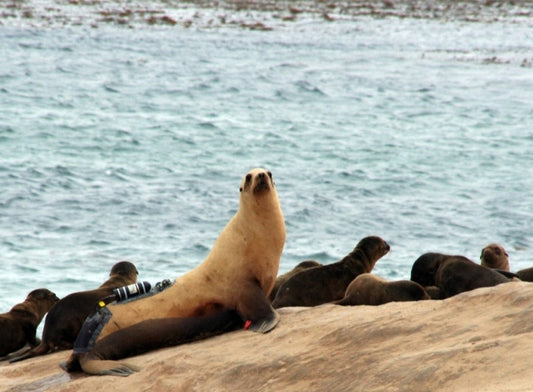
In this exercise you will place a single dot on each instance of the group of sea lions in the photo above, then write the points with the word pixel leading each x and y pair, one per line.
pixel 64 317
pixel 235 287
pixel 349 281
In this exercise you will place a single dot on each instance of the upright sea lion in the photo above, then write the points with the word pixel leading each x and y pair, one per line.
pixel 458 274
pixel 64 320
pixel 328 283
pixel 234 279
pixel 18 326
pixel 495 256
pixel 369 289
pixel 283 278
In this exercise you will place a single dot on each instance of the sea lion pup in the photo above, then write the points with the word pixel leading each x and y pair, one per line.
pixel 458 274
pixel 18 326
pixel 283 278
pixel 328 283
pixel 424 270
pixel 525 274
pixel 369 289
pixel 64 320
pixel 425 267
pixel 235 278
pixel 495 256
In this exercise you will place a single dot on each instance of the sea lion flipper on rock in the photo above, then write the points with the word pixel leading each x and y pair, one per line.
pixel 256 308
pixel 93 365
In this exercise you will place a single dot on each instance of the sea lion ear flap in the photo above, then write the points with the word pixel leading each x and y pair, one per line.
pixel 240 189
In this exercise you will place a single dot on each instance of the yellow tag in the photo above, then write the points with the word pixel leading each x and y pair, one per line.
pixel 101 303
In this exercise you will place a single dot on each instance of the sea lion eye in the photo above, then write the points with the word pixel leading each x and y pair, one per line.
pixel 248 177
pixel 270 174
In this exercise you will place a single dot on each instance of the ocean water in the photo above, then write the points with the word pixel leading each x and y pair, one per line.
pixel 121 143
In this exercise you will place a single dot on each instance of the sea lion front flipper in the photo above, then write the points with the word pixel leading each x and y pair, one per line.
pixel 257 310
pixel 266 324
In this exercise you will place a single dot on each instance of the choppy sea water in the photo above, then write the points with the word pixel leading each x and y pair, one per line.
pixel 130 144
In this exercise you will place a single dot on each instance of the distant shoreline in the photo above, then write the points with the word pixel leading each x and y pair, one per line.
pixel 252 14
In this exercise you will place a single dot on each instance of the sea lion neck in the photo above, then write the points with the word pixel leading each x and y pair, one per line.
pixel 356 259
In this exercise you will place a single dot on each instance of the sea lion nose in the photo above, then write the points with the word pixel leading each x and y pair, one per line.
pixel 261 175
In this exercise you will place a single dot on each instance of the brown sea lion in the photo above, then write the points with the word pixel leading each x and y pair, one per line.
pixel 425 267
pixel 495 256
pixel 328 283
pixel 458 274
pixel 369 289
pixel 64 320
pixel 433 292
pixel 525 274
pixel 234 279
pixel 18 326
pixel 283 278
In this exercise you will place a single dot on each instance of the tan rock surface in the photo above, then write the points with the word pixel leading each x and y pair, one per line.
pixel 476 341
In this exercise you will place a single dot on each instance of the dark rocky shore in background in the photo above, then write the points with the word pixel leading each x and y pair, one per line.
pixel 252 14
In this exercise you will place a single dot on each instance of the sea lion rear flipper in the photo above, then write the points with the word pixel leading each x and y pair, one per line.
pixel 257 310
pixel 92 365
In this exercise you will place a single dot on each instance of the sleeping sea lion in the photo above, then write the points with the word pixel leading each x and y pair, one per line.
pixel 458 274
pixel 234 279
pixel 525 274
pixel 283 278
pixel 64 320
pixel 425 267
pixel 369 289
pixel 328 283
pixel 18 326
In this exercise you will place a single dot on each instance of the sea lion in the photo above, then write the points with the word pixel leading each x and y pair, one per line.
pixel 457 274
pixel 328 283
pixel 283 278
pixel 525 274
pixel 495 256
pixel 369 289
pixel 63 322
pixel 237 276
pixel 433 292
pixel 18 326
pixel 425 267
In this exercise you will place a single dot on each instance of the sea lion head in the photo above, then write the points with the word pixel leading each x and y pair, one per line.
pixel 257 181
pixel 126 269
pixel 495 256
pixel 42 300
pixel 42 295
pixel 374 246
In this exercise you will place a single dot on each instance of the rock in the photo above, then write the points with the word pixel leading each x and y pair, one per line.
pixel 479 340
